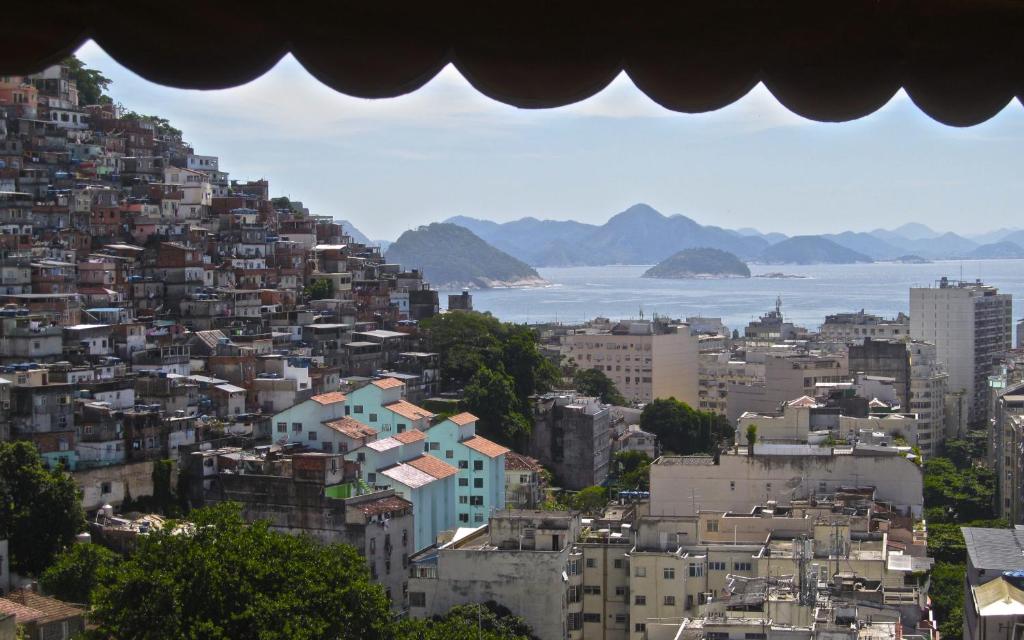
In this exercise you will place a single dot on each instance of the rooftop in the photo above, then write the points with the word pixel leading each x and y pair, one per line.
pixel 351 428
pixel 464 418
pixel 410 436
pixel 408 410
pixel 435 467
pixel 995 549
pixel 485 446
pixel 329 398
pixel 387 383
pixel 408 475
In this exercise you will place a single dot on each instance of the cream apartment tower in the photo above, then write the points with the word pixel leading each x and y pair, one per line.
pixel 970 325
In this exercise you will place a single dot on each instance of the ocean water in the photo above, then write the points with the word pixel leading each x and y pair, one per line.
pixel 581 293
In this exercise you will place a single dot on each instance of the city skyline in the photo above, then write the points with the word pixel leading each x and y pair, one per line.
pixel 447 150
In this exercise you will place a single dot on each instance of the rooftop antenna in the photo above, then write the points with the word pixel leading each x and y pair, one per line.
pixel 778 304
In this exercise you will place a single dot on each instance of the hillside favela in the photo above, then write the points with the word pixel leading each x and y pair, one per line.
pixel 226 414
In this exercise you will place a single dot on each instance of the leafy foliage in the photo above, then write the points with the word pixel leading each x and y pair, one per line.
pixel 683 430
pixel 91 83
pixel 590 500
pixel 40 512
pixel 161 125
pixel 76 572
pixel 489 621
pixel 222 578
pixel 319 290
pixel 964 494
pixel 498 365
pixel 595 383
pixel 634 470
pixel 947 594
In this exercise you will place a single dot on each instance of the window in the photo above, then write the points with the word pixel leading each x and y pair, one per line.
pixel 716 566
pixel 463 499
pixel 478 465
pixel 373 416
pixel 591 563
pixel 463 464
pixel 591 617
pixel 296 426
pixel 463 482
pixel 400 427
pixel 755 636
pixel 640 601
pixel 640 627
pixel 371 477
pixel 712 526
pixel 435 446
pixel 328 447
pixel 478 483
pixel 768 487
pixel 312 435
pixel 476 501
pixel 696 570
pixel 358 408
pixel 641 572
pixel 463 517
pixel 617 563
pixel 478 517
pixel 620 618
pixel 669 573
pixel 741 566
pixel 669 601
pixel 417 599
pixel 732 485
pixel 449 454
pixel 575 622
pixel 105 488
pixel 591 589
pixel 373 545
pixel 716 635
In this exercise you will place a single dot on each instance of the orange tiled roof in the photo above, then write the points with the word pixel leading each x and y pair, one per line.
pixel 518 462
pixel 408 410
pixel 329 398
pixel 485 446
pixel 432 466
pixel 387 383
pixel 352 428
pixel 49 609
pixel 410 436
pixel 463 418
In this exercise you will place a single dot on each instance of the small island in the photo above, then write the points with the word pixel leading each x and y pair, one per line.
pixel 699 263
pixel 912 259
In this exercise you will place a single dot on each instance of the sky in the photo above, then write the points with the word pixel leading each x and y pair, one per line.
pixel 394 164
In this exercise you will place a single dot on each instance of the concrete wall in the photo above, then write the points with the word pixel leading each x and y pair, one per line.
pixel 679 487
pixel 110 485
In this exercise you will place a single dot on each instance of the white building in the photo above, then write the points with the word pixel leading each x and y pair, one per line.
pixel 971 325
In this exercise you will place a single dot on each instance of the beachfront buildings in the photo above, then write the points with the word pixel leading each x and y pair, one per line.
pixel 646 359
pixel 970 324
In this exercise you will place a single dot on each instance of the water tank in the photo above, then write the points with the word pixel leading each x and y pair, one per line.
pixel 107 510
pixel 83 538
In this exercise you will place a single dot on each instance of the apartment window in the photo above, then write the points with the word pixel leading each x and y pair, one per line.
pixel 405 537
pixel 755 636
pixel 328 447
pixel 669 601
pixel 463 482
pixel 478 483
pixel 712 526
pixel 373 545
pixel 371 477
pixel 357 409
pixel 373 416
pixel 435 446
pixel 716 566
pixel 640 627
pixel 592 617
pixel 478 517
pixel 732 485
pixel 768 487
pixel 640 601
pixel 476 501
pixel 617 563
pixel 821 487
pixel 400 427
pixel 716 635
pixel 463 499
pixel 296 426
pixel 591 590
pixel 669 573
pixel 696 570
pixel 620 618
pixel 449 454
pixel 463 517
pixel 105 488
pixel 478 465
pixel 417 599
pixel 312 435
pixel 463 464
pixel 741 566
pixel 641 572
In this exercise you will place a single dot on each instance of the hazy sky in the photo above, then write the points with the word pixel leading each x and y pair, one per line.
pixel 389 165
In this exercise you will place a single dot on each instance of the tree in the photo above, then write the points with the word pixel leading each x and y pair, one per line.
pixel 592 382
pixel 319 290
pixel 634 470
pixel 683 430
pixel 947 594
pixel 751 438
pixel 76 572
pixel 487 621
pixel 40 511
pixel 964 494
pixel 490 395
pixel 590 500
pixel 91 83
pixel 219 577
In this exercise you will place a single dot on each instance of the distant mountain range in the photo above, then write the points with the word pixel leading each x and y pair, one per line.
pixel 451 256
pixel 643 235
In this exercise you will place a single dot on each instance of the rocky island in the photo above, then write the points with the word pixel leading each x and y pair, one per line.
pixel 699 263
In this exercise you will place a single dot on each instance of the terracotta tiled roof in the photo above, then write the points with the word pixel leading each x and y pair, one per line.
pixel 434 466
pixel 351 428
pixel 485 446
pixel 21 613
pixel 387 383
pixel 329 398
pixel 408 410
pixel 518 462
pixel 803 401
pixel 410 436
pixel 384 505
pixel 463 418
pixel 50 609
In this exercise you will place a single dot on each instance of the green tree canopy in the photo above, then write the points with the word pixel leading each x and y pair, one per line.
pixel 40 512
pixel 590 500
pixel 76 572
pixel 634 470
pixel 490 396
pixel 91 83
pixel 592 382
pixel 683 430
pixel 489 621
pixel 964 494
pixel 319 289
pixel 225 579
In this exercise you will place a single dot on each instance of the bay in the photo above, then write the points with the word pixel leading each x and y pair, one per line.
pixel 577 294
